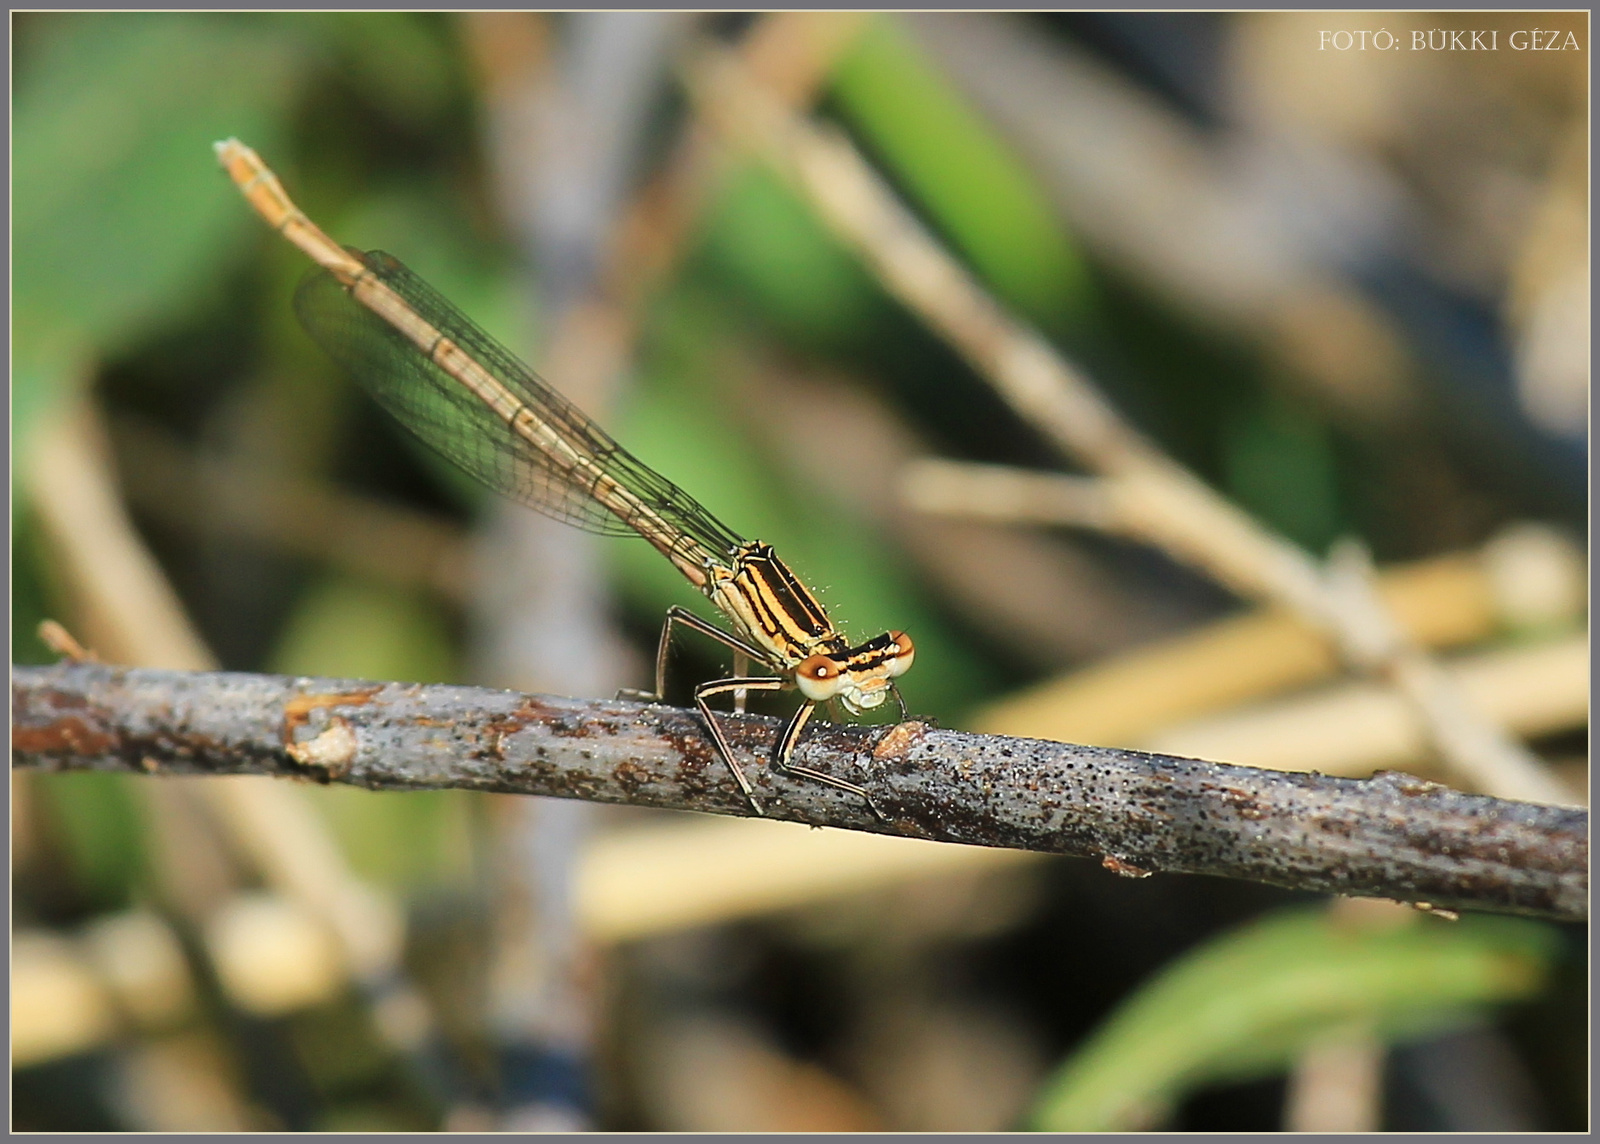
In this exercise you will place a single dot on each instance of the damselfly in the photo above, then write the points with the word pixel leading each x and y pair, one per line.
pixel 471 400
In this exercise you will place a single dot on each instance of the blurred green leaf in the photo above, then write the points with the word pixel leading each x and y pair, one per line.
pixel 357 629
pixel 1248 1002
pixel 1278 463
pixel 120 218
pixel 787 263
pixel 406 840
pixel 31 598
pixel 425 227
pixel 96 818
pixel 964 175
pixel 394 59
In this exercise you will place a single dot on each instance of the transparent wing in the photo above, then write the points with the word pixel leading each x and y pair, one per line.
pixel 449 419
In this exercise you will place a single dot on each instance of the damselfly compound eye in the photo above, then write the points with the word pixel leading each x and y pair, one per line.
pixel 818 677
pixel 904 654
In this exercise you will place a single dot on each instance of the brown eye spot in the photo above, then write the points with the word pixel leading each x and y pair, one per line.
pixel 902 643
pixel 819 667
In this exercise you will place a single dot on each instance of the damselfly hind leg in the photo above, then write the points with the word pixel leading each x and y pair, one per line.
pixel 783 754
pixel 681 615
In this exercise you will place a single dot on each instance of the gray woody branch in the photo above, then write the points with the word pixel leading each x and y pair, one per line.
pixel 1391 836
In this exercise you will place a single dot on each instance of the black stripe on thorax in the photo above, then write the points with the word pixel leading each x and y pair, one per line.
pixel 770 587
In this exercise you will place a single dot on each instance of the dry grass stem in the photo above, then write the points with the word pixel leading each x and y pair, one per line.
pixel 1337 1085
pixel 124 607
pixel 656 879
pixel 1003 493
pixel 1524 578
pixel 1358 726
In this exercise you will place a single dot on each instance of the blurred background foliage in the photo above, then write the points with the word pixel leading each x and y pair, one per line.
pixel 1425 403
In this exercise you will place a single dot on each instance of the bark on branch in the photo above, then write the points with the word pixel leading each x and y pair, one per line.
pixel 1391 836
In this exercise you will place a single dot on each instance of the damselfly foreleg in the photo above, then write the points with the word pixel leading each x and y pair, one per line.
pixel 783 754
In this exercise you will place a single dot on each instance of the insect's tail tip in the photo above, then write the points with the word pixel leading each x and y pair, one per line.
pixel 226 149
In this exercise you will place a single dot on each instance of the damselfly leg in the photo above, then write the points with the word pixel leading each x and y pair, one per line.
pixel 783 750
pixel 704 691
pixel 782 757
pixel 740 684
pixel 905 713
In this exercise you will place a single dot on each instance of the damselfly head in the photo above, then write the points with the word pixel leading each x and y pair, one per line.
pixel 859 678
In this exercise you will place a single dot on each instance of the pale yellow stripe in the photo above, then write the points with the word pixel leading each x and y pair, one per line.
pixel 1356 728
pixel 648 880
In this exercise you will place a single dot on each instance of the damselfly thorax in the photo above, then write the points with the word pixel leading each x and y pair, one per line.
pixel 471 400
pixel 773 609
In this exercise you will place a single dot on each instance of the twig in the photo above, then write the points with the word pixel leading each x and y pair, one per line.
pixel 1390 836
pixel 1158 498
pixel 56 637
pixel 1005 493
